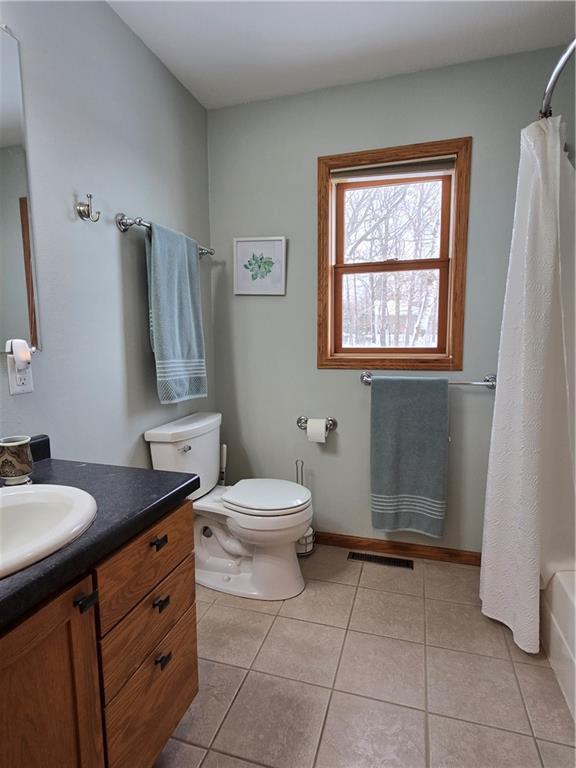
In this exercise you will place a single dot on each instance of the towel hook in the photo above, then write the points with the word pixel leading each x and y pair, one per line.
pixel 85 212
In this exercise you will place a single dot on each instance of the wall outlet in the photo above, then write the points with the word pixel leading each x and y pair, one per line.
pixel 19 382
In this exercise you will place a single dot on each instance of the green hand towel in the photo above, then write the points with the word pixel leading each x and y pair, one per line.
pixel 409 454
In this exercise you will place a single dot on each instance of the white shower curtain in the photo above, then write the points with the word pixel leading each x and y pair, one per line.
pixel 529 512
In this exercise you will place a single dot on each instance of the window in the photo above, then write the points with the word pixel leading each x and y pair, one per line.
pixel 392 234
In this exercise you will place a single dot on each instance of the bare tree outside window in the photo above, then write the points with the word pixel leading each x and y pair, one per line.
pixel 395 222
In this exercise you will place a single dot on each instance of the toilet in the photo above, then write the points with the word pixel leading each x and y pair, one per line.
pixel 245 534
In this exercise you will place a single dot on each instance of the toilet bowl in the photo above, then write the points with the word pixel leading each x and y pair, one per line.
pixel 244 534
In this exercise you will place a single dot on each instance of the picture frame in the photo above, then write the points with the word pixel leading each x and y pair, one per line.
pixel 260 266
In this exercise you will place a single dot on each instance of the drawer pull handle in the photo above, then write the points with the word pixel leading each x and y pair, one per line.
pixel 159 542
pixel 161 603
pixel 84 602
pixel 163 660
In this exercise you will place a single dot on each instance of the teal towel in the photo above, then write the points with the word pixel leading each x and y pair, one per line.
pixel 175 304
pixel 409 453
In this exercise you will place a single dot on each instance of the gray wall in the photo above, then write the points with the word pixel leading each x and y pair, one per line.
pixel 103 116
pixel 142 148
pixel 13 295
pixel 262 160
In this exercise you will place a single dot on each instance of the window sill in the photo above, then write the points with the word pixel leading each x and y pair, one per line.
pixel 399 362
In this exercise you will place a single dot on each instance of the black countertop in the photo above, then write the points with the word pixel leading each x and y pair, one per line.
pixel 128 499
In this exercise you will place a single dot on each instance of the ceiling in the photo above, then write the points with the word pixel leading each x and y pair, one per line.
pixel 232 52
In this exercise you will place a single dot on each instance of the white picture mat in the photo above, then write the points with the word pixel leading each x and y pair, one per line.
pixel 272 247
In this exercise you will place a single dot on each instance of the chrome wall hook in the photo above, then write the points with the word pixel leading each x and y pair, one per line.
pixel 85 212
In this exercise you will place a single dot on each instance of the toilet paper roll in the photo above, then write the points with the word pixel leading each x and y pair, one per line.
pixel 316 430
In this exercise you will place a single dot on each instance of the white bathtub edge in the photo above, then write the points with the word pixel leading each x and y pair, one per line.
pixel 553 638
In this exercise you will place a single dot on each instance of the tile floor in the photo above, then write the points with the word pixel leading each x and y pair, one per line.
pixel 370 667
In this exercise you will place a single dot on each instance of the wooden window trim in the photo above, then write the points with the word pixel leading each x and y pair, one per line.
pixel 452 262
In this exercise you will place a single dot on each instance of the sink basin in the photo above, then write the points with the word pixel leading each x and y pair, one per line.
pixel 37 520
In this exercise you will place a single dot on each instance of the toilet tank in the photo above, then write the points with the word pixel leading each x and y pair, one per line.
pixel 190 444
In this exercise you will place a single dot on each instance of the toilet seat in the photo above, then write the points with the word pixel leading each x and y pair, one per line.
pixel 254 520
pixel 264 497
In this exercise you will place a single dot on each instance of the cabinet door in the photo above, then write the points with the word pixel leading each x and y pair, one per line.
pixel 49 692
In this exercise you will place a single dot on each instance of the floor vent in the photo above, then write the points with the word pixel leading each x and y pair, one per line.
pixel 396 562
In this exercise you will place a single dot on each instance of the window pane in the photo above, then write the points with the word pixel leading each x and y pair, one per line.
pixel 390 309
pixel 394 221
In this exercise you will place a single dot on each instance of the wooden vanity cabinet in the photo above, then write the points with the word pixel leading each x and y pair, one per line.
pixel 147 639
pixel 119 668
pixel 50 712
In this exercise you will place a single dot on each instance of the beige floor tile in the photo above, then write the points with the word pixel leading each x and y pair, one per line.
pixel 217 760
pixel 463 628
pixel 389 613
pixel 331 564
pixel 178 755
pixel 206 595
pixel 547 708
pixel 405 580
pixel 323 602
pixel 301 651
pixel 218 684
pixel 455 744
pixel 383 668
pixel 260 606
pixel 517 654
pixel 557 755
pixel 274 721
pixel 477 688
pixel 456 583
pixel 232 636
pixel 201 608
pixel 362 733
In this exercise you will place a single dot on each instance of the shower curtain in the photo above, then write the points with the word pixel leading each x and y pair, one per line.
pixel 529 512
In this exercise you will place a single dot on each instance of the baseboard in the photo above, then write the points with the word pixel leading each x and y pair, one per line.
pixel 462 556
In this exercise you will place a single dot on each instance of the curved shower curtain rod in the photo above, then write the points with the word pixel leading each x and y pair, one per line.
pixel 546 108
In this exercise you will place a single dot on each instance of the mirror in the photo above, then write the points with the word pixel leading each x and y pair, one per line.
pixel 17 275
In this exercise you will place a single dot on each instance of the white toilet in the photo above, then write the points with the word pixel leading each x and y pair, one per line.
pixel 245 534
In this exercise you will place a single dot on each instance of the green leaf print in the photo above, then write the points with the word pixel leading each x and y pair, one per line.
pixel 259 266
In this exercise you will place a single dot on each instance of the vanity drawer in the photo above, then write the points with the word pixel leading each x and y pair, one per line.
pixel 127 576
pixel 141 718
pixel 127 645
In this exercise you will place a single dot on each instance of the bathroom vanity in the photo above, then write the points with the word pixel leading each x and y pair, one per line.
pixel 98 656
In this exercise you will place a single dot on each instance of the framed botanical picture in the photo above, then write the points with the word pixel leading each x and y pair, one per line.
pixel 260 266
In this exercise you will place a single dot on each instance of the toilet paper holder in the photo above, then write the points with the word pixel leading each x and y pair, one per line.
pixel 331 423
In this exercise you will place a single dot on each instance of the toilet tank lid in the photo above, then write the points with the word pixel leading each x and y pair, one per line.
pixel 183 429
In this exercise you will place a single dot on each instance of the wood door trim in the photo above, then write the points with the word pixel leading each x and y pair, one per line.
pixel 27 250
pixel 405 549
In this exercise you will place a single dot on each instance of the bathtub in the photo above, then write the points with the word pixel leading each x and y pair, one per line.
pixel 558 614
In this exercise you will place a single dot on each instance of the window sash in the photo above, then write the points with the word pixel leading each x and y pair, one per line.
pixel 440 263
pixel 442 267
pixel 445 209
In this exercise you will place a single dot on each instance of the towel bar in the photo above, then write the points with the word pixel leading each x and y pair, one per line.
pixel 488 381
pixel 124 223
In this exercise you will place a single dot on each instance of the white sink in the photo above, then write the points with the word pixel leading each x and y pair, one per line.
pixel 37 520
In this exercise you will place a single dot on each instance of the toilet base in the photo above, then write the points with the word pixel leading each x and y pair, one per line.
pixel 270 573
pixel 242 585
pixel 248 555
